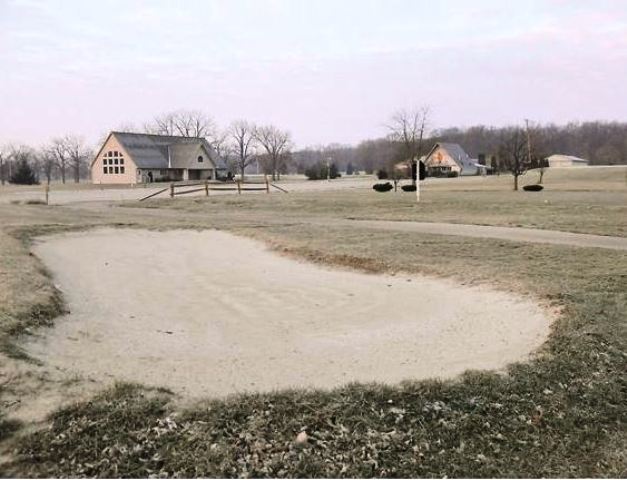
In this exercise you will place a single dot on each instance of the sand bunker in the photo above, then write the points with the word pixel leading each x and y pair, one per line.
pixel 210 313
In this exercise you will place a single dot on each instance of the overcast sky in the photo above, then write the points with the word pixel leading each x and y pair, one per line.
pixel 328 71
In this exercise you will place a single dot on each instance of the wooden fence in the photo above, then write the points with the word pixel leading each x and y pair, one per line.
pixel 175 189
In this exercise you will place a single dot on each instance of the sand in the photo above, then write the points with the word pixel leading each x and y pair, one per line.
pixel 207 313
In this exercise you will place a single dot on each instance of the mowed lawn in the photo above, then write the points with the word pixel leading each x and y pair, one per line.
pixel 561 414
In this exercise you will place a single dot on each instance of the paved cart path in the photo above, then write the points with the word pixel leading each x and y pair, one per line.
pixel 516 234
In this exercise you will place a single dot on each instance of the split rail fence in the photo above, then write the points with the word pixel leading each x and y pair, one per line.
pixel 175 189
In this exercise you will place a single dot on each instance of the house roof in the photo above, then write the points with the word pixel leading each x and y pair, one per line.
pixel 457 155
pixel 453 149
pixel 160 151
pixel 181 152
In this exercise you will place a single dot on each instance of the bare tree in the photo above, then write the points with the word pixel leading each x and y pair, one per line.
pixel 186 123
pixel 47 161
pixel 3 156
pixel 77 154
pixel 220 142
pixel 408 127
pixel 194 123
pixel 514 153
pixel 222 145
pixel 9 155
pixel 61 157
pixel 276 143
pixel 538 149
pixel 244 143
pixel 161 125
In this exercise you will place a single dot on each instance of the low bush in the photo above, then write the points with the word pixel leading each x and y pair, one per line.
pixel 408 188
pixel 383 187
pixel 532 188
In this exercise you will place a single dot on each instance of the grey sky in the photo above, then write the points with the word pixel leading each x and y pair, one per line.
pixel 328 71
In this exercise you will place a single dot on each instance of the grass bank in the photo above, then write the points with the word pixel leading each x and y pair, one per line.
pixel 28 299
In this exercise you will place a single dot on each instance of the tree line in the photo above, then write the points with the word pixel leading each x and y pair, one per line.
pixel 243 144
pixel 62 158
pixel 602 143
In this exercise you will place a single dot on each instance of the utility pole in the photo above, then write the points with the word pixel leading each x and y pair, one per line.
pixel 328 169
pixel 417 181
pixel 528 143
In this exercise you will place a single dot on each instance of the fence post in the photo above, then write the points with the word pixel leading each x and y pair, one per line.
pixel 171 190
pixel 267 184
pixel 206 188
pixel 239 187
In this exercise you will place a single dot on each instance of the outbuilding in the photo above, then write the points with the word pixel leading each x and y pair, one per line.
pixel 558 160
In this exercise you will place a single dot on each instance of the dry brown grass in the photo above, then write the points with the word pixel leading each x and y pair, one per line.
pixel 28 298
pixel 575 200
pixel 562 414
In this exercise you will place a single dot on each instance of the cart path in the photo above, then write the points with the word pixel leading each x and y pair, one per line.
pixel 515 234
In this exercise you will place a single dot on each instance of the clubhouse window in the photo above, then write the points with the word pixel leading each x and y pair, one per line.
pixel 113 158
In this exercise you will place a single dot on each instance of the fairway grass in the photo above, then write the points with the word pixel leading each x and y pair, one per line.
pixel 561 414
pixel 574 200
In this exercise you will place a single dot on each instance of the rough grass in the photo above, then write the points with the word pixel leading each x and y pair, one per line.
pixel 562 414
pixel 28 299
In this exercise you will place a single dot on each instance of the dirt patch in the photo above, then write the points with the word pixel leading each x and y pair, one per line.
pixel 210 313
